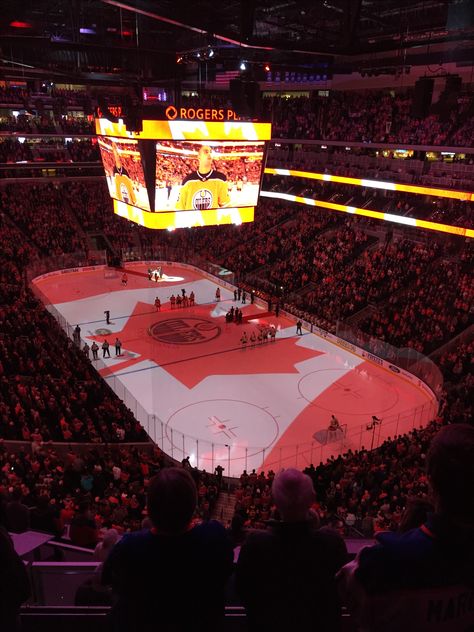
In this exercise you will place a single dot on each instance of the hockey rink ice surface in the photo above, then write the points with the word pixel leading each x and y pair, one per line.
pixel 200 394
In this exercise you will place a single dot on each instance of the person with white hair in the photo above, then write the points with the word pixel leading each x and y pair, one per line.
pixel 286 574
pixel 103 548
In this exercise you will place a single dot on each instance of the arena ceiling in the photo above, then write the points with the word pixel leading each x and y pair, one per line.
pixel 132 35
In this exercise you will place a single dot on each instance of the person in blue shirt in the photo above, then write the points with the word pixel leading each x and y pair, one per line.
pixel 423 579
pixel 170 577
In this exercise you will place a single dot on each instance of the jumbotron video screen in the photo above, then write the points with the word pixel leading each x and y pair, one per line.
pixel 183 173
pixel 124 171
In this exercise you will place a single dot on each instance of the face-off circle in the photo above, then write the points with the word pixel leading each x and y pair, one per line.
pixel 351 394
pixel 224 422
pixel 184 331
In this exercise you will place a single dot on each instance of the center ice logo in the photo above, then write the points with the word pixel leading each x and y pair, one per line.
pixel 184 331
pixel 202 200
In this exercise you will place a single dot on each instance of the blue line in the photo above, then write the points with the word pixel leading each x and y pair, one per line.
pixel 178 309
pixel 198 357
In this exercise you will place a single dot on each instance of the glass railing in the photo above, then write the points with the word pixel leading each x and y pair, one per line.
pixel 406 359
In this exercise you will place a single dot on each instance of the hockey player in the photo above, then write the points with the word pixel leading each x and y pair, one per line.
pixel 204 188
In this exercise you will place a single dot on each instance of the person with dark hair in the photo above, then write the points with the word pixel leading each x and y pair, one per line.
pixel 17 514
pixel 45 517
pixel 299 562
pixel 105 349
pixel 170 577
pixel 84 530
pixel 423 579
pixel 14 584
pixel 416 513
pixel 204 188
pixel 95 350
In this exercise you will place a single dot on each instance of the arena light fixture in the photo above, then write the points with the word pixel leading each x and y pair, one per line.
pixel 389 217
pixel 467 196
pixel 243 66
pixel 18 24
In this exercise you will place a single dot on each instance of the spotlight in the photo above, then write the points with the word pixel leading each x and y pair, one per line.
pixel 210 53
pixel 243 66
pixel 179 59
pixel 267 68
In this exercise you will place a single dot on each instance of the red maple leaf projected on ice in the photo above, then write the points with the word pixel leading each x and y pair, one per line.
pixel 192 345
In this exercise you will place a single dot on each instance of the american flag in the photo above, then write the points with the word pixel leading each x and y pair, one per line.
pixel 223 78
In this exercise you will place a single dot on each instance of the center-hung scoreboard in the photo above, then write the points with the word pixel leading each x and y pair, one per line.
pixel 193 167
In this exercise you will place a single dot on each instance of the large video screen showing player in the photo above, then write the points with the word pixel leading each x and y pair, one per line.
pixel 124 171
pixel 198 176
pixel 201 169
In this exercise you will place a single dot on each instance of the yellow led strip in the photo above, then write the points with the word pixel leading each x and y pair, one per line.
pixel 374 184
pixel 169 220
pixel 353 210
pixel 187 130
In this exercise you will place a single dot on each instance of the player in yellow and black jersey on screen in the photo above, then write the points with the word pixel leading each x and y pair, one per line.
pixel 205 188
pixel 123 184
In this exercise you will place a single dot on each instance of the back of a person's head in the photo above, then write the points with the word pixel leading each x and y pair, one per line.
pixel 415 514
pixel 83 508
pixel 172 500
pixel 450 465
pixel 42 502
pixel 293 493
pixel 16 495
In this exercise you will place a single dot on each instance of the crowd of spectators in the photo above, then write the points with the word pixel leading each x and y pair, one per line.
pixel 39 212
pixel 362 116
pixel 437 307
pixel 367 491
pixel 48 388
pixel 321 263
pixel 57 485
pixel 367 116
pixel 52 149
pixel 374 164
pixel 326 261
pixel 358 493
pixel 457 365
pixel 436 209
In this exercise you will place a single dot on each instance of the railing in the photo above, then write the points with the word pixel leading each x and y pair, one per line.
pixel 66 261
pixel 407 359
pixel 234 458
pixel 366 436
pixel 465 337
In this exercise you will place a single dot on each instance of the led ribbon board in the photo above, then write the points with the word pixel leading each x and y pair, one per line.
pixel 169 220
pixel 399 219
pixel 374 184
pixel 200 171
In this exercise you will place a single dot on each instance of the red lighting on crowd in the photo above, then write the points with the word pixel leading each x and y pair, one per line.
pixel 20 25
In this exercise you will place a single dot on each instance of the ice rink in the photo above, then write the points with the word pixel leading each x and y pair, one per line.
pixel 198 393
